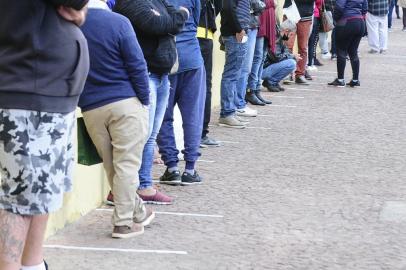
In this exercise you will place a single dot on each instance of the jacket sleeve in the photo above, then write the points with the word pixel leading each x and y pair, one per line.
pixel 135 63
pixel 364 7
pixel 339 9
pixel 287 3
pixel 76 4
pixel 230 10
pixel 218 5
pixel 141 15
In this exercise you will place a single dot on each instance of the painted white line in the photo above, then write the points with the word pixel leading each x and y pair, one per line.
pixel 228 142
pixel 286 97
pixel 205 161
pixel 303 89
pixel 267 115
pixel 325 71
pixel 283 106
pixel 170 213
pixel 157 251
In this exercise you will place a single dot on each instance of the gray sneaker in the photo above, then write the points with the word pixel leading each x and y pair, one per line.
pixel 231 122
pixel 207 141
pixel 124 232
pixel 243 120
pixel 147 220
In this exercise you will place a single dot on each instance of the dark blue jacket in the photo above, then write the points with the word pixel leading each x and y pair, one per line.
pixel 117 66
pixel 235 17
pixel 345 9
pixel 43 58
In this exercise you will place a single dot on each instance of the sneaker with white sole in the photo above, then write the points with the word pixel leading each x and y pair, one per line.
pixel 243 120
pixel 150 215
pixel 124 232
pixel 230 121
pixel 247 112
pixel 326 56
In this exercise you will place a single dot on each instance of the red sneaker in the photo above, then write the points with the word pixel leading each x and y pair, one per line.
pixel 157 198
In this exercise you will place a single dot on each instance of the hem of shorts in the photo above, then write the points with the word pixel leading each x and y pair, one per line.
pixel 22 211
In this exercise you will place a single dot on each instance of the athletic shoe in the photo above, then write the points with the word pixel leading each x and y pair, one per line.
pixel 158 198
pixel 308 76
pixel 326 56
pixel 353 83
pixel 301 80
pixel 189 179
pixel 230 121
pixel 207 141
pixel 372 51
pixel 337 83
pixel 317 62
pixel 311 68
pixel 150 215
pixel 243 120
pixel 246 112
pixel 124 232
pixel 333 57
pixel 170 178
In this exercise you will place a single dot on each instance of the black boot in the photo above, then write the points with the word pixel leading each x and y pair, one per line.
pixel 252 98
pixel 258 94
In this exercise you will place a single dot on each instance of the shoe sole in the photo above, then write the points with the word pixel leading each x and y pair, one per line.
pixel 191 184
pixel 209 145
pixel 245 115
pixel 126 235
pixel 171 183
pixel 229 126
pixel 158 203
pixel 148 220
pixel 339 86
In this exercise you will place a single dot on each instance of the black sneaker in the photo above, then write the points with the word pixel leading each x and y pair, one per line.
pixel 353 83
pixel 317 62
pixel 170 178
pixel 188 179
pixel 337 83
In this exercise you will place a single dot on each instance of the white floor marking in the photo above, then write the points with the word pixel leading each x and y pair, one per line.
pixel 228 142
pixel 301 89
pixel 117 249
pixel 267 115
pixel 265 128
pixel 286 97
pixel 205 161
pixel 283 106
pixel 170 213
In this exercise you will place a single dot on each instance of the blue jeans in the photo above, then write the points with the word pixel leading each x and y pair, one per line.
pixel 254 79
pixel 274 73
pixel 235 55
pixel 240 102
pixel 159 94
pixel 392 4
pixel 188 90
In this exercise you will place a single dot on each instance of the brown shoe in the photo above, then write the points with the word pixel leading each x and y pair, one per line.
pixel 147 220
pixel 125 232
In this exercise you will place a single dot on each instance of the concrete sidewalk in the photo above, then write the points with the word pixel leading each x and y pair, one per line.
pixel 317 181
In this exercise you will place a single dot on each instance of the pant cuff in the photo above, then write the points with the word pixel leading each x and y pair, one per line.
pixel 190 165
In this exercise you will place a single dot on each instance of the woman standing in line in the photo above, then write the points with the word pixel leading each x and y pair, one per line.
pixel 349 16
pixel 402 4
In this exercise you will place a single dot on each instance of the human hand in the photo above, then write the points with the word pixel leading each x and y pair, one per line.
pixel 240 36
pixel 185 9
pixel 72 15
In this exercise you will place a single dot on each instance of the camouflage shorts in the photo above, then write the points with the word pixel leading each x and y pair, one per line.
pixel 36 160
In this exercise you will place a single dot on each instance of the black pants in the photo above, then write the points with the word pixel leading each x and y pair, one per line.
pixel 313 40
pixel 404 17
pixel 206 48
pixel 348 37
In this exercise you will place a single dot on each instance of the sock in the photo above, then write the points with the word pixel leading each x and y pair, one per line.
pixel 173 169
pixel 34 267
pixel 190 171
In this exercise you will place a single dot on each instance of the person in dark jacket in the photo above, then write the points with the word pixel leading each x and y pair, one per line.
pixel 43 68
pixel 205 34
pixel 306 10
pixel 155 22
pixel 114 105
pixel 350 28
pixel 235 19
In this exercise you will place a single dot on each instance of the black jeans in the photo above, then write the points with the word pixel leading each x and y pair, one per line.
pixel 404 17
pixel 333 42
pixel 313 40
pixel 348 37
pixel 206 48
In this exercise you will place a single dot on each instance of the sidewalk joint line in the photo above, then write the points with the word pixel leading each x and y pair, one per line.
pixel 157 251
pixel 170 213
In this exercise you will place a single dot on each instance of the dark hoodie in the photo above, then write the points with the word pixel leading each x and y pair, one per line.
pixel 43 58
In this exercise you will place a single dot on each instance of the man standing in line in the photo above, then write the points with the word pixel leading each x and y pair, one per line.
pixel 235 19
pixel 205 34
pixel 306 10
pixel 377 25
pixel 43 69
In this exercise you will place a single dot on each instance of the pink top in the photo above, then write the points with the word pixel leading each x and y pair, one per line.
pixel 317 8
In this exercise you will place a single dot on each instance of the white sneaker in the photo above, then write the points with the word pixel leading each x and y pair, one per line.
pixel 247 112
pixel 326 56
pixel 311 68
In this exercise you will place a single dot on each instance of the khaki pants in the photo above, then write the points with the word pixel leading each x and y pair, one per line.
pixel 119 131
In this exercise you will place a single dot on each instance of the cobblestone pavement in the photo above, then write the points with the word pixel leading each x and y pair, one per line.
pixel 317 181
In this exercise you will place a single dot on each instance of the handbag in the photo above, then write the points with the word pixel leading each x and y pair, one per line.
pixel 327 22
pixel 87 153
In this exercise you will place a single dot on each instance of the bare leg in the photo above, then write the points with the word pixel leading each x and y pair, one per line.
pixel 33 254
pixel 13 232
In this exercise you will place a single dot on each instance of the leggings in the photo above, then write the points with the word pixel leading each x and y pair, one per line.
pixel 404 17
pixel 348 37
pixel 313 40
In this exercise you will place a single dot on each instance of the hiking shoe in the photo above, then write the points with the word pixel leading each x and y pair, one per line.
pixel 230 121
pixel 189 179
pixel 207 141
pixel 337 83
pixel 110 199
pixel 124 232
pixel 158 198
pixel 170 178
pixel 353 83
pixel 147 220
pixel 246 112
pixel 301 80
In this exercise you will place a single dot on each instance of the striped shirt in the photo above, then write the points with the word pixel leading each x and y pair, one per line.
pixel 378 7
